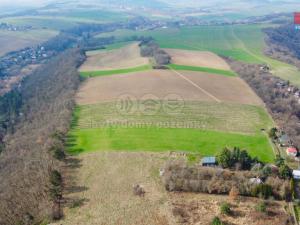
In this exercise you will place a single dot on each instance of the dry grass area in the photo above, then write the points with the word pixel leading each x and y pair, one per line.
pixel 197 58
pixel 192 86
pixel 103 192
pixel 200 209
pixel 103 195
pixel 126 57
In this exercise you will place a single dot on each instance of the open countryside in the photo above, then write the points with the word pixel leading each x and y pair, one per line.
pixel 149 112
pixel 245 43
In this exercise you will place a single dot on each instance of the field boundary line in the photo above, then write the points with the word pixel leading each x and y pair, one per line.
pixel 197 86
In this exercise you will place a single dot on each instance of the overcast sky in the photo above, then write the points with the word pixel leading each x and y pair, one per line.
pixel 16 3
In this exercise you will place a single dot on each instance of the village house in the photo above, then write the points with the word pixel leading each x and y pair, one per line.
pixel 291 151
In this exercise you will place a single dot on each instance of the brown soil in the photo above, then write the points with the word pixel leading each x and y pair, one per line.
pixel 197 58
pixel 192 86
pixel 122 58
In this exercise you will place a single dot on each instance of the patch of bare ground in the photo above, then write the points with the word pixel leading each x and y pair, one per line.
pixel 197 58
pixel 193 86
pixel 200 209
pixel 103 193
pixel 126 57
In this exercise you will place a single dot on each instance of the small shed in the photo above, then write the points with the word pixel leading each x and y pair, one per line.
pixel 292 151
pixel 209 161
pixel 296 174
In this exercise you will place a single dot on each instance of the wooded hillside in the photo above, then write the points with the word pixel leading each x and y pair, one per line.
pixel 45 103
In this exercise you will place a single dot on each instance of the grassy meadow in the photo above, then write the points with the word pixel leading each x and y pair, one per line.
pixel 203 69
pixel 204 142
pixel 204 128
pixel 114 72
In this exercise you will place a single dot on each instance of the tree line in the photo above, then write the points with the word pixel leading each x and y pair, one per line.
pixel 41 108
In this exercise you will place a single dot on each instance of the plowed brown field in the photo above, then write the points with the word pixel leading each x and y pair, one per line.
pixel 197 58
pixel 189 85
pixel 122 58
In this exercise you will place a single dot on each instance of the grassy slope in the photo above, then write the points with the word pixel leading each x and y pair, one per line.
pixel 166 139
pixel 203 69
pixel 113 72
pixel 241 42
pixel 229 117
pixel 220 128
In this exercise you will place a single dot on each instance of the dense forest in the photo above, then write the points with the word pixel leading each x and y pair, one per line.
pixel 283 43
pixel 40 110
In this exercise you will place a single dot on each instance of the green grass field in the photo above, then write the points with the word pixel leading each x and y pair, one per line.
pixel 114 72
pixel 166 139
pixel 241 42
pixel 200 127
pixel 203 69
pixel 229 117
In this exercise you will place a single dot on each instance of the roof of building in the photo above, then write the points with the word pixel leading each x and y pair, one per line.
pixel 284 138
pixel 208 160
pixel 291 150
pixel 296 172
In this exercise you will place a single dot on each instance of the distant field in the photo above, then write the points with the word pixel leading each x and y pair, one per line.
pixel 197 58
pixel 12 41
pixel 203 69
pixel 69 19
pixel 241 42
pixel 117 59
pixel 109 47
pixel 114 72
pixel 55 23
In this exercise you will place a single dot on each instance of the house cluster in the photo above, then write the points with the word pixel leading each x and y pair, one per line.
pixel 285 142
pixel 10 27
pixel 289 90
pixel 24 57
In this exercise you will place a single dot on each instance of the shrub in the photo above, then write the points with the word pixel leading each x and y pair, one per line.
pixel 230 158
pixel 285 172
pixel 225 208
pixel 59 154
pixel 216 221
pixel 261 207
pixel 262 190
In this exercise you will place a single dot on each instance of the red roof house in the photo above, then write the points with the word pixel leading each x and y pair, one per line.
pixel 292 151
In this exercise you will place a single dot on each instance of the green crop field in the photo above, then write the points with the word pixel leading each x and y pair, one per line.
pixel 114 72
pixel 203 69
pixel 201 127
pixel 203 142
pixel 241 42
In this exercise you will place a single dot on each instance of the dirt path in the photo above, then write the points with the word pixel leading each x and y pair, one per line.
pixel 197 86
